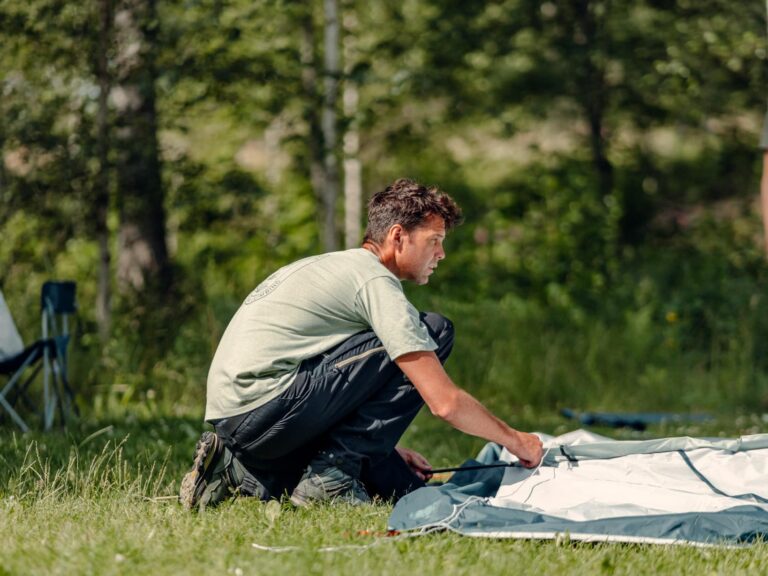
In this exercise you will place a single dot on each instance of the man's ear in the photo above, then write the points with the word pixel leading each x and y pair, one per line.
pixel 396 235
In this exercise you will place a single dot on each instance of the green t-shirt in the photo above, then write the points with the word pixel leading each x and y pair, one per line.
pixel 764 139
pixel 303 310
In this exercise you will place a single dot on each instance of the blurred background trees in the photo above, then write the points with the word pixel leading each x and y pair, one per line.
pixel 167 155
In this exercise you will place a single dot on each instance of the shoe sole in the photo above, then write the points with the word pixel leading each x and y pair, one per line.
pixel 194 482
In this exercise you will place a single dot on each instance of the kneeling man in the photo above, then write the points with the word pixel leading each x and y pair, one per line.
pixel 325 365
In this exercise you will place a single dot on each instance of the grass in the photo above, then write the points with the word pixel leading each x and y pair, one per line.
pixel 99 499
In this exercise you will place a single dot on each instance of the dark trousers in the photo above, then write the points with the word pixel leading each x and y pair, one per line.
pixel 351 402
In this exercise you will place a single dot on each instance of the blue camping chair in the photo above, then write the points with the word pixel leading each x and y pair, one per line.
pixel 22 364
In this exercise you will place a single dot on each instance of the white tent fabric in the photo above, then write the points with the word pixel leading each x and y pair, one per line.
pixel 673 475
pixel 698 491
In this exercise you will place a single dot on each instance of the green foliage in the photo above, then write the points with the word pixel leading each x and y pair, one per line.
pixel 516 354
pixel 507 105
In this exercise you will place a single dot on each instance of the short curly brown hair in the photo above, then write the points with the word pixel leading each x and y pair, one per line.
pixel 409 204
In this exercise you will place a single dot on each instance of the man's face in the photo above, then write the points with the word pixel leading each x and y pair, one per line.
pixel 421 249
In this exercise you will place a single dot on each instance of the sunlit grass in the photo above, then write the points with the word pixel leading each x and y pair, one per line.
pixel 100 499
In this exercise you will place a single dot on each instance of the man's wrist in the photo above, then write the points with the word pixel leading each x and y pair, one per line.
pixel 514 441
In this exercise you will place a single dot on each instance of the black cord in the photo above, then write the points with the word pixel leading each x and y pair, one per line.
pixel 472 467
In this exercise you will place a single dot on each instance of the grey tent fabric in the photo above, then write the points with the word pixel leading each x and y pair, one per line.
pixel 670 490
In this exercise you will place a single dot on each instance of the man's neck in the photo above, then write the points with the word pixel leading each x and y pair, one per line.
pixel 373 248
pixel 386 257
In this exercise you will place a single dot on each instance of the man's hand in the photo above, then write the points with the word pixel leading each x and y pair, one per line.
pixel 416 462
pixel 528 448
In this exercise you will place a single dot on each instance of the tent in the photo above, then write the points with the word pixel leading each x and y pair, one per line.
pixel 700 491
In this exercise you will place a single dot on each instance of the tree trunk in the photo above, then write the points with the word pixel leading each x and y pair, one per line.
pixel 595 95
pixel 764 199
pixel 101 196
pixel 764 179
pixel 603 166
pixel 3 177
pixel 331 70
pixel 353 185
pixel 312 104
pixel 143 262
pixel 353 179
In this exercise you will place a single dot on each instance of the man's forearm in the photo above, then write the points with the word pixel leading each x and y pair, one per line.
pixel 471 417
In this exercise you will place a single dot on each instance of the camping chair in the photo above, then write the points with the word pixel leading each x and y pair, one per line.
pixel 21 365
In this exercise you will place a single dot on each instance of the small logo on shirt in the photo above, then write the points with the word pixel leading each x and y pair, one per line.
pixel 265 288
pixel 273 282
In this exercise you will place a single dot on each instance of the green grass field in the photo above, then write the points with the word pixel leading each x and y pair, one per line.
pixel 100 499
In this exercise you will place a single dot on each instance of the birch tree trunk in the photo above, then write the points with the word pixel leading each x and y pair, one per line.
pixel 353 172
pixel 331 69
pixel 353 181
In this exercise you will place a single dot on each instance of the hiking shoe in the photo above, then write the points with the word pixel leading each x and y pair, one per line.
pixel 323 481
pixel 208 483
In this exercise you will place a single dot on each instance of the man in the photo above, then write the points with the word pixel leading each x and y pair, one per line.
pixel 764 182
pixel 326 364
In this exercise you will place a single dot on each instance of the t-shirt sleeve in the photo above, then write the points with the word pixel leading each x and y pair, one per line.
pixel 764 138
pixel 392 317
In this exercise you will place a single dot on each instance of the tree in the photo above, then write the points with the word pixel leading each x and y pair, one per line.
pixel 353 178
pixel 102 182
pixel 331 77
pixel 312 105
pixel 320 113
pixel 47 133
pixel 143 262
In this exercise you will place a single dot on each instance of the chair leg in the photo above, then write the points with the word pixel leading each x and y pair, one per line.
pixel 13 414
pixel 62 393
pixel 20 392
pixel 61 402
pixel 9 387
pixel 70 393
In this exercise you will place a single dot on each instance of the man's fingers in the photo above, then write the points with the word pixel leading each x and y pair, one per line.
pixel 414 459
pixel 421 462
